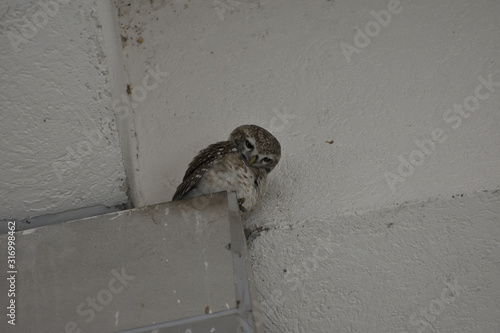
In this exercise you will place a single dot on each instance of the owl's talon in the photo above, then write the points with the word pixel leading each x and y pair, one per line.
pixel 240 203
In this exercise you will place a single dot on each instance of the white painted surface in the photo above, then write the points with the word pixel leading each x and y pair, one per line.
pixel 201 68
pixel 428 267
pixel 280 64
pixel 60 146
pixel 231 63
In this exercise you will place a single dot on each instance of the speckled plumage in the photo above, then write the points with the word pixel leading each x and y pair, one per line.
pixel 240 164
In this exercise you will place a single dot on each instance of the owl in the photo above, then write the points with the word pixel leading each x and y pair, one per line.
pixel 240 164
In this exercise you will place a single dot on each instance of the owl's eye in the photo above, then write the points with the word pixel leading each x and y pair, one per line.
pixel 266 159
pixel 248 144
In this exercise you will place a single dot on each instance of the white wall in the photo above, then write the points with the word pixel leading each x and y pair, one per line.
pixel 357 258
pixel 425 267
pixel 60 147
pixel 252 61
pixel 285 65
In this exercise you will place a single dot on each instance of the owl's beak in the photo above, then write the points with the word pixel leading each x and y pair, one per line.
pixel 252 160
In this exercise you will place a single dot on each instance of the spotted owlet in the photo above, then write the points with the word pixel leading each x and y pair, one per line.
pixel 240 164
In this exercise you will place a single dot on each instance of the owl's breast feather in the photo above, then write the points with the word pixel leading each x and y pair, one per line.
pixel 233 174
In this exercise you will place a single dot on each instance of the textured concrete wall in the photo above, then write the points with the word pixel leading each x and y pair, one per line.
pixel 305 71
pixel 376 103
pixel 427 267
pixel 60 147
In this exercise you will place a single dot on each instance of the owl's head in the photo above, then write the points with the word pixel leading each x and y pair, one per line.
pixel 257 146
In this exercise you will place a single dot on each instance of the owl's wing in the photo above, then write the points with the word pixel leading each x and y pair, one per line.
pixel 200 164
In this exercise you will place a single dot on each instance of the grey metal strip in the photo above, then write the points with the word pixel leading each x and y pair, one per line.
pixel 242 269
